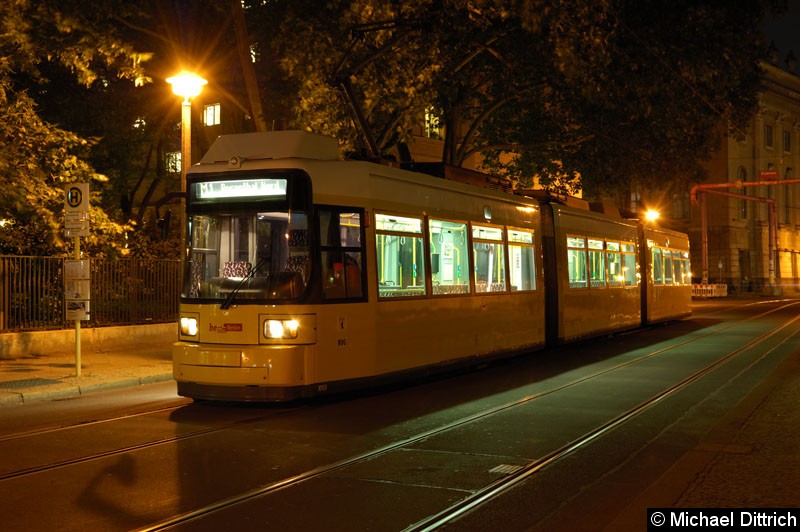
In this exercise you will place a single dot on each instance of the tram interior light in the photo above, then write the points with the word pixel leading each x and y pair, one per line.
pixel 280 329
pixel 189 326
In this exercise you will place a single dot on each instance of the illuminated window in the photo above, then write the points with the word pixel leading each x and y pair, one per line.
pixel 521 266
pixel 173 162
pixel 489 256
pixel 211 114
pixel 401 256
pixel 597 263
pixel 629 272
pixel 657 268
pixel 576 262
pixel 614 257
pixel 433 127
pixel 668 268
pixel 680 261
pixel 449 257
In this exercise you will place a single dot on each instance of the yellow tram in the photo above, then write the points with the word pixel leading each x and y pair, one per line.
pixel 306 274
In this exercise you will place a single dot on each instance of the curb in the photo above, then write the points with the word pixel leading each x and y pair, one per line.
pixel 17 398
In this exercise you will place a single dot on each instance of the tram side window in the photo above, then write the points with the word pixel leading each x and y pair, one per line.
pixel 597 263
pixel 677 263
pixel 342 256
pixel 629 264
pixel 204 261
pixel 658 265
pixel 400 256
pixel 668 268
pixel 614 257
pixel 489 256
pixel 686 277
pixel 576 262
pixel 449 257
pixel 522 268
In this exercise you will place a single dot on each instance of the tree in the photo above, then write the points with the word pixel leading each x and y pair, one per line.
pixel 600 95
pixel 37 158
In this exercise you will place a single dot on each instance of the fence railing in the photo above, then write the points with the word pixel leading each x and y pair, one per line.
pixel 123 292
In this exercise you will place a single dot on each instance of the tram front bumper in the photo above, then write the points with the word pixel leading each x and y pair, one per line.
pixel 239 365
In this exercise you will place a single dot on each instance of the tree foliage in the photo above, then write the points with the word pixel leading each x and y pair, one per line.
pixel 598 94
pixel 37 157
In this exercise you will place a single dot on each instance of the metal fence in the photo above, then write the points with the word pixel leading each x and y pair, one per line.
pixel 123 292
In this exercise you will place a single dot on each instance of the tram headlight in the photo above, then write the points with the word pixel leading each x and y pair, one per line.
pixel 274 329
pixel 188 326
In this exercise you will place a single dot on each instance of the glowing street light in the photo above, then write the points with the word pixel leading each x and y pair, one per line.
pixel 187 86
pixel 651 215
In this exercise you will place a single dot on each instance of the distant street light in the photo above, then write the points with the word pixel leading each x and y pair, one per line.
pixel 186 85
pixel 651 215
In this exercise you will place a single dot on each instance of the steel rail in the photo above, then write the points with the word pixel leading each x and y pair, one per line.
pixel 488 492
pixel 501 486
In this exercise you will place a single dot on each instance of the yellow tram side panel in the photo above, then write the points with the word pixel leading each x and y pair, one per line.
pixel 434 330
pixel 666 302
pixel 593 311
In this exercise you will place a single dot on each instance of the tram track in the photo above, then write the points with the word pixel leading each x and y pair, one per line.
pixel 84 424
pixel 524 473
pixel 520 474
pixel 126 449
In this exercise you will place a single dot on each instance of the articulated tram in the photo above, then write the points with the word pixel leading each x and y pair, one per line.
pixel 306 275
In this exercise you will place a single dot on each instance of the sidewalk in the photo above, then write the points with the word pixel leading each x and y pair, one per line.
pixel 49 377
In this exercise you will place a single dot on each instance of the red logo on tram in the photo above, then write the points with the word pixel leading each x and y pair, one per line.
pixel 225 327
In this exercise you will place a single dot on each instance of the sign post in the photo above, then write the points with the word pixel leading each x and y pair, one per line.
pixel 77 277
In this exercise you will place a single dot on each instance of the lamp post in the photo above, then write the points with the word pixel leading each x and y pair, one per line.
pixel 187 86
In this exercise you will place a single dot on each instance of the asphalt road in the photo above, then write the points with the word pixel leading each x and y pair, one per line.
pixel 586 436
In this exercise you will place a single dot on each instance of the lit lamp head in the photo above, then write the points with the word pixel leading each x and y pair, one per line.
pixel 651 215
pixel 186 85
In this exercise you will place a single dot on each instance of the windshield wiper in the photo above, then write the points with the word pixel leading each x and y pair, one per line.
pixel 232 295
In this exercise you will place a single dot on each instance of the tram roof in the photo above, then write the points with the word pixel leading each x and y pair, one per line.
pixel 271 145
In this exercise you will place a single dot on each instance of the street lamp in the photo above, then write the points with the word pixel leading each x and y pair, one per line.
pixel 651 215
pixel 186 85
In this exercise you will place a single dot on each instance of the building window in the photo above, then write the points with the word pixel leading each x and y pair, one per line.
pixel 741 175
pixel 433 128
pixel 211 114
pixel 787 141
pixel 680 206
pixel 768 140
pixel 636 199
pixel 787 200
pixel 173 161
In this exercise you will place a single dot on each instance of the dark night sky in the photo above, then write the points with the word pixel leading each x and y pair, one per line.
pixel 785 31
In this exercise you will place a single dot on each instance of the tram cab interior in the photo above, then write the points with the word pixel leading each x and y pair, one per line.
pixel 263 255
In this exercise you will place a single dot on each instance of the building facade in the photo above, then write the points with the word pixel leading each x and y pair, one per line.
pixel 752 187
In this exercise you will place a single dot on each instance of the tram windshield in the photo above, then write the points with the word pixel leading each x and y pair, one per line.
pixel 245 242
